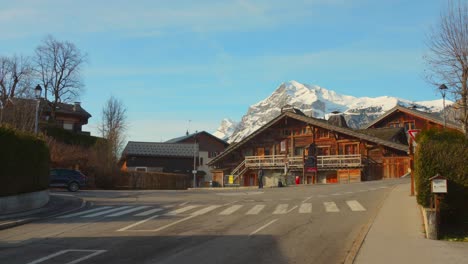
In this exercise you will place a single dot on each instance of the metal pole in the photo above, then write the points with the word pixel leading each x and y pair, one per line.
pixel 443 102
pixel 37 116
pixel 194 164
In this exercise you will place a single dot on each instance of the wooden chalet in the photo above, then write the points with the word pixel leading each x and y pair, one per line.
pixel 408 118
pixel 282 145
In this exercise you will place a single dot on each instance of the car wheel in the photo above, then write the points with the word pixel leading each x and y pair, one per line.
pixel 73 187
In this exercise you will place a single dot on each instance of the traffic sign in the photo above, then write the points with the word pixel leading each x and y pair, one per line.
pixel 413 133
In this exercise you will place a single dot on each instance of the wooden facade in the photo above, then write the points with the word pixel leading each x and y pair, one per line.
pixel 343 155
pixel 407 118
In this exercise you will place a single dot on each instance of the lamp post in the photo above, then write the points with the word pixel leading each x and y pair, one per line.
pixel 443 90
pixel 37 92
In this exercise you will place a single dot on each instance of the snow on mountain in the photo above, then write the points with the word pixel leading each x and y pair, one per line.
pixel 317 102
pixel 226 129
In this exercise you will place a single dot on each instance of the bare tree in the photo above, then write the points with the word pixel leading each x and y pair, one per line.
pixel 15 78
pixel 447 60
pixel 59 70
pixel 114 125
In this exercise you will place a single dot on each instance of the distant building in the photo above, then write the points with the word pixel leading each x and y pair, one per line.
pixel 21 112
pixel 178 155
pixel 314 150
pixel 407 118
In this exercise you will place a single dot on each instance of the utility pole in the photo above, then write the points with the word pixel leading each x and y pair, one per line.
pixel 195 160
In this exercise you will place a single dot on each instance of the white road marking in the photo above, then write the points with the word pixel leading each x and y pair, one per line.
pixel 152 211
pixel 131 210
pixel 307 199
pixel 231 209
pixel 348 192
pixel 285 199
pixel 335 194
pixel 95 253
pixel 195 214
pixel 137 223
pixel 226 204
pixel 281 209
pixel 331 207
pixel 290 210
pixel 181 210
pixel 182 204
pixel 85 212
pixel 355 206
pixel 107 211
pixel 205 210
pixel 305 208
pixel 256 209
pixel 263 227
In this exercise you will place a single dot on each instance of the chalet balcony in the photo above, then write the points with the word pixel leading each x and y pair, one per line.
pixel 297 162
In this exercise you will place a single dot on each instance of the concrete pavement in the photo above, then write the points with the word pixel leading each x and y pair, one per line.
pixel 397 236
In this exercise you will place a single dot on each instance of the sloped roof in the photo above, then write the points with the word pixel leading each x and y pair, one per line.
pixel 385 133
pixel 153 149
pixel 314 122
pixel 424 115
pixel 180 139
pixel 62 108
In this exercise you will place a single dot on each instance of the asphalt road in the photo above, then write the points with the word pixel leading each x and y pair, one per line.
pixel 306 224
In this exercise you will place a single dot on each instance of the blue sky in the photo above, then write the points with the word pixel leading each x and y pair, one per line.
pixel 174 61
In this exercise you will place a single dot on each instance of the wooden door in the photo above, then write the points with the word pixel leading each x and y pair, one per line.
pixel 261 152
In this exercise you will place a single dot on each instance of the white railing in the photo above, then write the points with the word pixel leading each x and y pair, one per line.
pixel 339 161
pixel 278 161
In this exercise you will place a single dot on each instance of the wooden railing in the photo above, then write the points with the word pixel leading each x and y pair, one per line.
pixel 278 161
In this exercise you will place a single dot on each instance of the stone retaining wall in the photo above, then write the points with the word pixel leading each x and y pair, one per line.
pixel 23 202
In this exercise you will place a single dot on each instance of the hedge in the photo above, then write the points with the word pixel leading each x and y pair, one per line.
pixel 446 153
pixel 70 138
pixel 24 162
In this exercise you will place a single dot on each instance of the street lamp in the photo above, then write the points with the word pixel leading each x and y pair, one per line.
pixel 443 90
pixel 37 92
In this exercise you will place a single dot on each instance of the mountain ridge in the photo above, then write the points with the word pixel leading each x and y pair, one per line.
pixel 318 102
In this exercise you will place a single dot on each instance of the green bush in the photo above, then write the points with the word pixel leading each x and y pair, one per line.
pixel 446 153
pixel 70 138
pixel 25 162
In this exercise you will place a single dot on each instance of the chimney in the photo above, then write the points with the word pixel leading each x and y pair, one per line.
pixel 76 105
pixel 337 119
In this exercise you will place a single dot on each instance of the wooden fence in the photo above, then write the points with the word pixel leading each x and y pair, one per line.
pixel 153 181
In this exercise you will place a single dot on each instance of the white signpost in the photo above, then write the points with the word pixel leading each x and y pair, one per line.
pixel 439 186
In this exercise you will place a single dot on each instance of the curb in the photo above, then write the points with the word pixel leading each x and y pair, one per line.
pixel 357 244
pixel 27 220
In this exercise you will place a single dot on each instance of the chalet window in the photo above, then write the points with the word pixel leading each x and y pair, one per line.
pixel 201 161
pixel 283 145
pixel 299 151
pixel 304 131
pixel 67 126
pixel 322 133
pixel 323 150
pixel 286 132
pixel 141 169
pixel 394 124
pixel 351 149
pixel 267 151
pixel 409 125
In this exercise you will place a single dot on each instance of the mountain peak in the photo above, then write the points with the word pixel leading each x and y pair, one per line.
pixel 318 102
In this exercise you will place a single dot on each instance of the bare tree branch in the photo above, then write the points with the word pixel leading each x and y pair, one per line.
pixel 59 69
pixel 447 60
pixel 114 125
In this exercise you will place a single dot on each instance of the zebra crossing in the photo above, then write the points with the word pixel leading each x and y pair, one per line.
pixel 224 210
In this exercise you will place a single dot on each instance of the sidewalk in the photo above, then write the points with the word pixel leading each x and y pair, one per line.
pixel 397 236
pixel 58 204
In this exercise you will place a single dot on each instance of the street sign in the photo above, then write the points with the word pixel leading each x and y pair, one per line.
pixel 413 133
pixel 194 172
pixel 438 184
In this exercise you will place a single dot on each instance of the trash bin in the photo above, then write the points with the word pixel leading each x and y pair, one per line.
pixel 297 180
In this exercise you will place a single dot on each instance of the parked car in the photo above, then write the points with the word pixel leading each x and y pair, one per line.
pixel 73 180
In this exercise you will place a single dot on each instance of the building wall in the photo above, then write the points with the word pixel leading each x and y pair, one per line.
pixel 169 164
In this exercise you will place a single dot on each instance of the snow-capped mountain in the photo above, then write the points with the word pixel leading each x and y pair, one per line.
pixel 226 129
pixel 317 102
